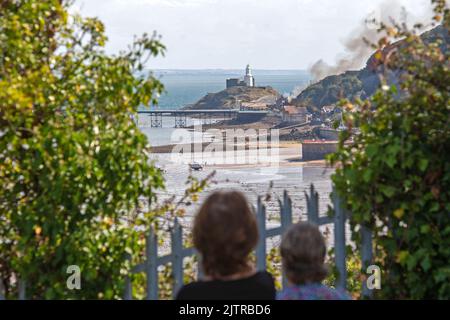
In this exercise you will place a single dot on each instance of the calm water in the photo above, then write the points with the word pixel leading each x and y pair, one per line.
pixel 184 87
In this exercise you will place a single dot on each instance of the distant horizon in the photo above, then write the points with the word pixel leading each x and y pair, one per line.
pixel 223 69
pixel 213 34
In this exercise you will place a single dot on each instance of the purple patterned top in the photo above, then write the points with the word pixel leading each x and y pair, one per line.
pixel 313 291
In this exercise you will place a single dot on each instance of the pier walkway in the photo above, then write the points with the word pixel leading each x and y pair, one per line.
pixel 181 116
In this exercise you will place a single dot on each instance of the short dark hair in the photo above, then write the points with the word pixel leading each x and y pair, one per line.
pixel 225 233
pixel 303 253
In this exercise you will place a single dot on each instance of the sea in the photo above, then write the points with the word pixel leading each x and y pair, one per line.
pixel 185 87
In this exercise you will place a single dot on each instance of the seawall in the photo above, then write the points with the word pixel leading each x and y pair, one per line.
pixel 317 150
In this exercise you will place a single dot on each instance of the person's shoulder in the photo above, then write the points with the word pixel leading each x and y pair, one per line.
pixel 190 291
pixel 335 294
pixel 341 295
pixel 263 285
pixel 289 293
pixel 311 292
pixel 264 276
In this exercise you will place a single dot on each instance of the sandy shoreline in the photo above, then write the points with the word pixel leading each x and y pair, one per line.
pixel 170 147
pixel 288 155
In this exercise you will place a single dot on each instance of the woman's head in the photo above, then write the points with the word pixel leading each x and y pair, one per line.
pixel 225 232
pixel 303 252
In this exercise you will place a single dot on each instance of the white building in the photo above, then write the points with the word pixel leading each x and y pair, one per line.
pixel 292 114
pixel 249 79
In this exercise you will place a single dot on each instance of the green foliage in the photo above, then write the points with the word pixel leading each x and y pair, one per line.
pixel 354 275
pixel 273 263
pixel 73 164
pixel 330 90
pixel 394 173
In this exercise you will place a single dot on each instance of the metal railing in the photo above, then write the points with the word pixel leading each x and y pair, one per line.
pixel 179 252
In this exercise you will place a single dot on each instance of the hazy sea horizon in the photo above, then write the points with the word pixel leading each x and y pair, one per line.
pixel 187 86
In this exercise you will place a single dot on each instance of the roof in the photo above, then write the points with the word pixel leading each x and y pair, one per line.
pixel 319 141
pixel 254 105
pixel 294 110
pixel 328 108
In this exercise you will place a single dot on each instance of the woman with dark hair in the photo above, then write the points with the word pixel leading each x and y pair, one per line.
pixel 225 233
pixel 303 253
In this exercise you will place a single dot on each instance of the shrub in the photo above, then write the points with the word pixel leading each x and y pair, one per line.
pixel 394 174
pixel 73 164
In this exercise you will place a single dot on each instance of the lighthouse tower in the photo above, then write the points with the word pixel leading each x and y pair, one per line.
pixel 249 79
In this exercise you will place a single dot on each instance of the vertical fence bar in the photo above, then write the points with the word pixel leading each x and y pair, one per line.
pixel 366 257
pixel 2 291
pixel 200 271
pixel 128 293
pixel 286 222
pixel 151 253
pixel 177 258
pixel 339 242
pixel 261 247
pixel 312 205
pixel 286 212
pixel 22 289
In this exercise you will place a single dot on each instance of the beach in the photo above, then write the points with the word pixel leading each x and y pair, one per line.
pixel 287 172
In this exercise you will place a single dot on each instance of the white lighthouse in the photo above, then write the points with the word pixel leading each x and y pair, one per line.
pixel 249 79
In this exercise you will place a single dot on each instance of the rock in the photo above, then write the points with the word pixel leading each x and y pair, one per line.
pixel 228 98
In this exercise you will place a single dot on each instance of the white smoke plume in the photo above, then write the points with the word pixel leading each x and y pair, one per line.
pixel 295 92
pixel 357 51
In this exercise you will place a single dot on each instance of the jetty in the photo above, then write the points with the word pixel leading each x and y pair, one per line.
pixel 180 116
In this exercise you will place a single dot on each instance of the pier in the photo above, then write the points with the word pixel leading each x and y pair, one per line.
pixel 206 116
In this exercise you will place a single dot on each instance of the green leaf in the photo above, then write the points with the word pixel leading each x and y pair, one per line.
pixel 423 164
pixel 399 213
pixel 424 229
pixel 426 264
pixel 388 191
pixel 391 161
pixel 371 150
pixel 367 175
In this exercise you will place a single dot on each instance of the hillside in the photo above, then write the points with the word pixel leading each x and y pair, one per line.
pixel 227 99
pixel 355 84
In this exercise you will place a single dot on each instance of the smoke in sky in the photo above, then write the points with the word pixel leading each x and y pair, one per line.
pixel 295 92
pixel 357 51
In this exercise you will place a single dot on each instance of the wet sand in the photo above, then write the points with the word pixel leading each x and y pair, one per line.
pixel 289 173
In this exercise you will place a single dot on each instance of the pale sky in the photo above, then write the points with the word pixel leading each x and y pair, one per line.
pixel 228 34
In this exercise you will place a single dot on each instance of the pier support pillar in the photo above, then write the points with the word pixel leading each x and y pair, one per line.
pixel 180 120
pixel 156 120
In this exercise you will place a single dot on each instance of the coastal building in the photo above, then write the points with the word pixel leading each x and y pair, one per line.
pixel 292 114
pixel 328 133
pixel 253 106
pixel 235 82
pixel 328 109
pixel 248 81
pixel 317 150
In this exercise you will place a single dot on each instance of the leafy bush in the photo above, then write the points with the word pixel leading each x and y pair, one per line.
pixel 395 172
pixel 73 164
